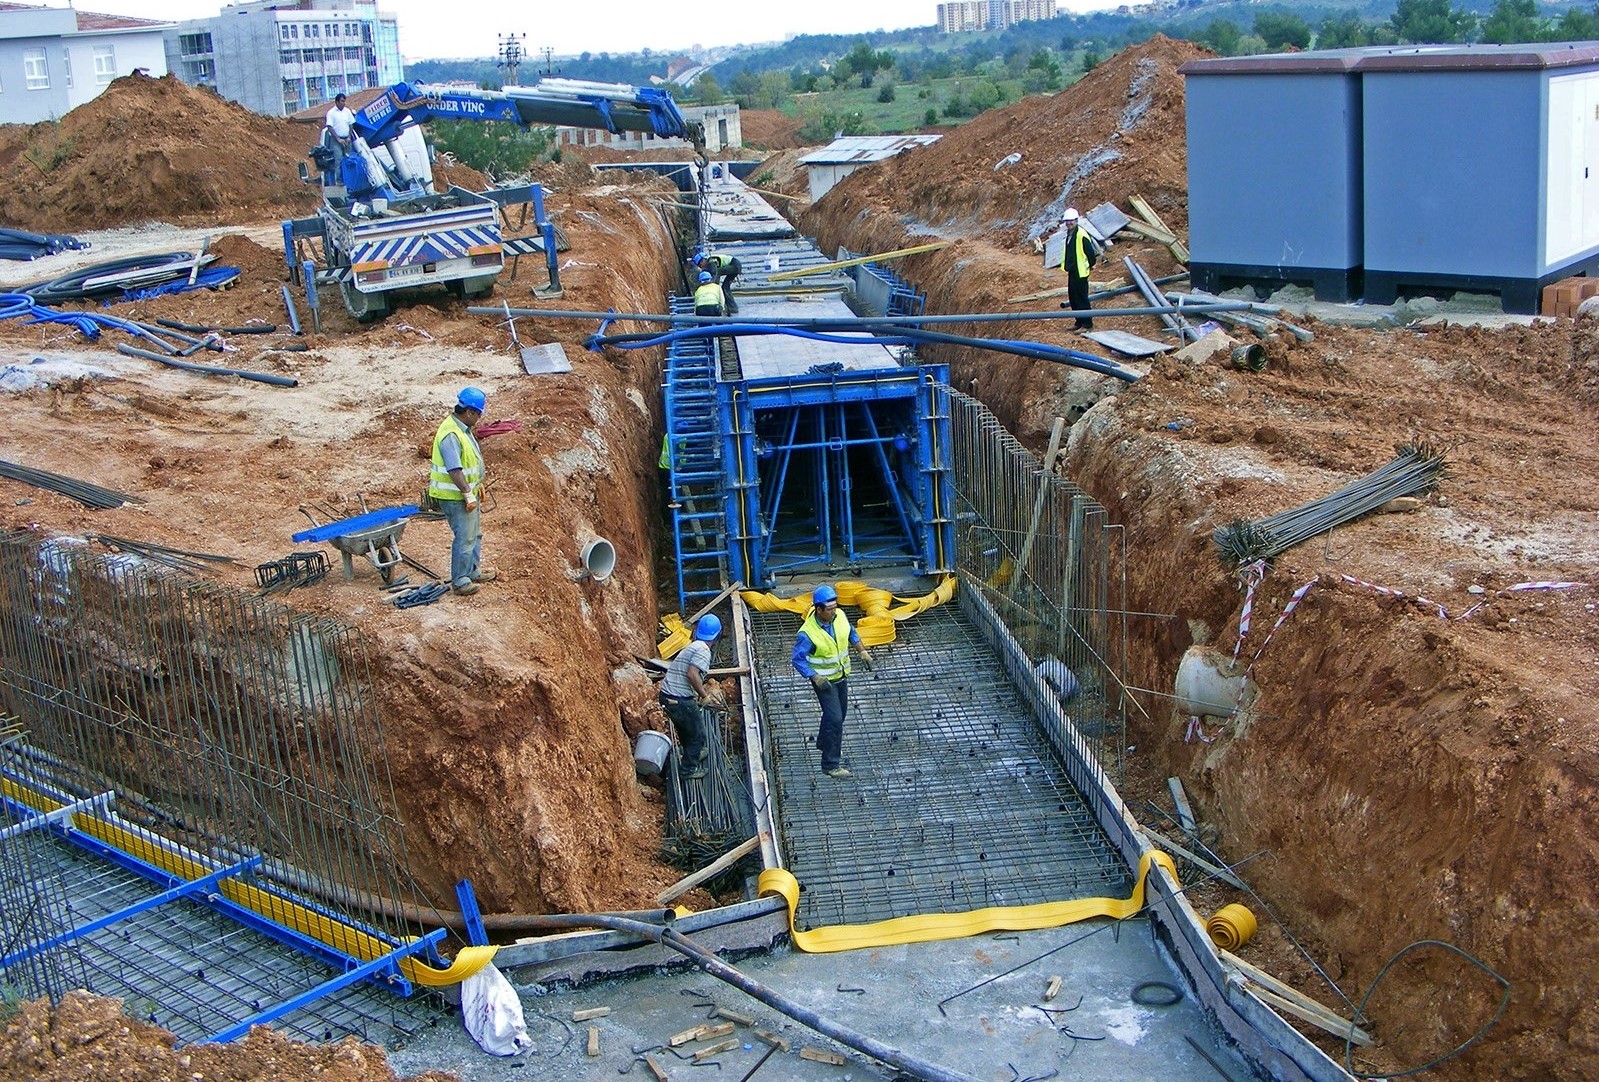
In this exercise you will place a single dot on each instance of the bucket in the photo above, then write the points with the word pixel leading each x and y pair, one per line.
pixel 1250 358
pixel 1231 926
pixel 650 752
pixel 599 559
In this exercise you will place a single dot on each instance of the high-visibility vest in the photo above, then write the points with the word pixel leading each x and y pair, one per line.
pixel 1077 251
pixel 830 658
pixel 708 294
pixel 440 485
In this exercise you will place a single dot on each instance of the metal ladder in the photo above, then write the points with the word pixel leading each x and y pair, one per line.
pixel 697 495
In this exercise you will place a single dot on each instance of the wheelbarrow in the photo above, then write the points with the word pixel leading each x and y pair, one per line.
pixel 373 534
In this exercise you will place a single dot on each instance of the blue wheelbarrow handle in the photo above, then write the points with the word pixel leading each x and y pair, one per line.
pixel 383 516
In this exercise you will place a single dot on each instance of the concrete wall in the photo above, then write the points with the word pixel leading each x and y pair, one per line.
pixel 1274 170
pixel 823 177
pixel 1454 172
pixel 68 62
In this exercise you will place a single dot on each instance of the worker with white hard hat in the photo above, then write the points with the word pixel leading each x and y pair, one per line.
pixel 1077 255
pixel 685 694
pixel 455 484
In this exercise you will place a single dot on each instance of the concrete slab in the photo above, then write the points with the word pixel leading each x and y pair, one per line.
pixel 768 355
pixel 1097 1033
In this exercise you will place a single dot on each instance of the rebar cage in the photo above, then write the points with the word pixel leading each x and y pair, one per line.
pixel 1047 559
pixel 232 832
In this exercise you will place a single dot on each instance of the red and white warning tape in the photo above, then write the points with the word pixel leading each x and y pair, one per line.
pixel 1253 575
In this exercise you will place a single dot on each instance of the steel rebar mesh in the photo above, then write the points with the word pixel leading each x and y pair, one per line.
pixel 1418 468
pixel 706 817
pixel 228 727
pixel 1046 558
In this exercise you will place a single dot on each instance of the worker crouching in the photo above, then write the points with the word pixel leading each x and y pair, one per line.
pixel 455 484
pixel 821 655
pixel 707 296
pixel 685 695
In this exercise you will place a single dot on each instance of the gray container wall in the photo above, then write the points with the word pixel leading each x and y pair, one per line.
pixel 1454 164
pixel 1274 170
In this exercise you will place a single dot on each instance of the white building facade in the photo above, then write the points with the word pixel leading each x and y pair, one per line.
pixel 279 56
pixel 721 122
pixel 52 60
pixel 964 15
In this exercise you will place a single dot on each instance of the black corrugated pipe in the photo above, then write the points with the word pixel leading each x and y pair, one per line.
pixel 867 321
pixel 669 937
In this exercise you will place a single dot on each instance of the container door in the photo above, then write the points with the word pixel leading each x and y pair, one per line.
pixel 1571 219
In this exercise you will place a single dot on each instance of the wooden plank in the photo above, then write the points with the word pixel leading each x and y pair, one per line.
pixel 715 1050
pixel 1047 294
pixel 654 1069
pixel 727 592
pixel 1150 232
pixel 1053 989
pixel 710 871
pixel 822 1055
pixel 683 1038
pixel 1194 858
pixel 1128 344
pixel 594 1042
pixel 734 1016
pixel 780 1043
pixel 721 1029
pixel 194 268
pixel 1147 212
pixel 1038 505
pixel 842 263
pixel 1185 813
pixel 1331 1023
pixel 590 1013
pixel 1330 1020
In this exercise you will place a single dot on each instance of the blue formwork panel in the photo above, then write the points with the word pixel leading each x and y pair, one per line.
pixel 1274 170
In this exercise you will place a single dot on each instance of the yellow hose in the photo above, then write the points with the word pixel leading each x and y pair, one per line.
pixel 929 927
pixel 1231 927
pixel 341 937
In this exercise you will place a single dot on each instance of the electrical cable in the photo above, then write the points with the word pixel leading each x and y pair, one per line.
pixel 69 287
pixel 1482 1031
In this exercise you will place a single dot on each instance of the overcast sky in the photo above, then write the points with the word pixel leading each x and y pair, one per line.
pixel 442 28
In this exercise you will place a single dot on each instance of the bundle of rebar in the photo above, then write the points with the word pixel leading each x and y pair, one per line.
pixel 1417 469
pixel 101 499
pixel 178 559
pixel 295 569
pixel 707 817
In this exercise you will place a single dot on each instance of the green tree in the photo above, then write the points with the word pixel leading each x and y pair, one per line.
pixel 1342 32
pixel 497 149
pixel 1577 25
pixel 1221 35
pixel 1431 22
pixel 825 126
pixel 886 93
pixel 930 118
pixel 773 90
pixel 983 95
pixel 745 85
pixel 1090 59
pixel 1281 30
pixel 1513 21
pixel 707 90
pixel 1043 63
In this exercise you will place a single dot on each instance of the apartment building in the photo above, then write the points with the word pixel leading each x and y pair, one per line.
pixel 964 15
pixel 53 60
pixel 279 56
pixel 723 131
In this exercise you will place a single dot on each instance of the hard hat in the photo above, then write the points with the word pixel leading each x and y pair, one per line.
pixel 708 628
pixel 1070 215
pixel 824 594
pixel 699 257
pixel 705 276
pixel 472 398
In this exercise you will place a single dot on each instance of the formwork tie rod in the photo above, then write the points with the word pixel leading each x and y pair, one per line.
pixel 868 321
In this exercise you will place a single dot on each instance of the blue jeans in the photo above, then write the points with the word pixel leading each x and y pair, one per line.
pixel 834 698
pixel 466 528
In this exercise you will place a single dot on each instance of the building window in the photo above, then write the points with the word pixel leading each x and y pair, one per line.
pixel 288 56
pixel 105 63
pixel 283 31
pixel 294 31
pixel 194 44
pixel 36 69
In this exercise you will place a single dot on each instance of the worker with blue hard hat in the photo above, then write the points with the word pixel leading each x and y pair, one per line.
pixel 725 269
pixel 685 694
pixel 821 655
pixel 707 296
pixel 455 484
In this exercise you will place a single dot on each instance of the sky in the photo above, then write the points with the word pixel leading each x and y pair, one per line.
pixel 437 28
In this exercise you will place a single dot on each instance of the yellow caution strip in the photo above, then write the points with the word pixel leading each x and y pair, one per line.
pixel 935 926
pixel 341 937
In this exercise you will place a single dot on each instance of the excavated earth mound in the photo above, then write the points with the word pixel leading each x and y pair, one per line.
pixel 769 129
pixel 1410 776
pixel 149 149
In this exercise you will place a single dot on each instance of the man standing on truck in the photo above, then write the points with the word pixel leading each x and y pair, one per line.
pixel 341 123
pixel 1079 253
pixel 821 655
pixel 455 483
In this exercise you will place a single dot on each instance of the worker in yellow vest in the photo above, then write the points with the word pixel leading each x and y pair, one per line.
pixel 455 484
pixel 1079 254
pixel 821 655
pixel 707 296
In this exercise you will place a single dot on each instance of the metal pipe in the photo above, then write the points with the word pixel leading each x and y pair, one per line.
pixel 210 370
pixel 864 321
pixel 710 963
pixel 294 317
pixel 1104 294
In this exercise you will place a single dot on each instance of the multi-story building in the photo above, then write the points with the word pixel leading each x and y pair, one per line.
pixel 723 131
pixel 280 56
pixel 962 15
pixel 54 59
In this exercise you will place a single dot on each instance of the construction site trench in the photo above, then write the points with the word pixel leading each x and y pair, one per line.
pixel 1404 776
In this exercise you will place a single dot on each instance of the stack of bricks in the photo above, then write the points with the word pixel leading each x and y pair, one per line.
pixel 1562 298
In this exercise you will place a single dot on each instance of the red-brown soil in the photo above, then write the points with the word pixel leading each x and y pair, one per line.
pixel 1411 777
pixel 769 129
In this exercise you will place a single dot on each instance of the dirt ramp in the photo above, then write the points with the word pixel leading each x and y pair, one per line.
pixel 1118 131
pixel 151 149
